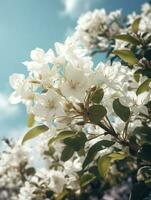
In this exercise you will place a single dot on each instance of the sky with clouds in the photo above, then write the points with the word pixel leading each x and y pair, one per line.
pixel 27 24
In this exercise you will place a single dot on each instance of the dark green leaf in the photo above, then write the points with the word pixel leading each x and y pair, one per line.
pixel 86 179
pixel 96 113
pixel 97 96
pixel 94 149
pixel 122 111
pixel 77 141
pixel 145 152
pixel 34 132
pixel 128 38
pixel 67 153
pixel 30 171
pixel 127 56
pixel 143 87
pixel 139 191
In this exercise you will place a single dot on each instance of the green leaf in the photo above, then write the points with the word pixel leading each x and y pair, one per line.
pixel 136 76
pixel 104 163
pixel 94 149
pixel 86 179
pixel 67 153
pixel 128 38
pixel 118 155
pixel 61 136
pixel 139 191
pixel 135 25
pixel 31 120
pixel 34 132
pixel 127 56
pixel 96 113
pixel 122 111
pixel 30 171
pixel 143 87
pixel 77 141
pixel 145 152
pixel 97 96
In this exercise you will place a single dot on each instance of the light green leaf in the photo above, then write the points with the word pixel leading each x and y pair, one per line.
pixel 97 96
pixel 118 155
pixel 34 132
pixel 61 136
pixel 96 113
pixel 122 111
pixel 135 25
pixel 31 120
pixel 127 56
pixel 104 163
pixel 96 148
pixel 143 87
pixel 128 38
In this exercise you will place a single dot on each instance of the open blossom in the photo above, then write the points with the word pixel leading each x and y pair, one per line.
pixel 95 27
pixel 47 105
pixel 23 89
pixel 145 22
pixel 75 83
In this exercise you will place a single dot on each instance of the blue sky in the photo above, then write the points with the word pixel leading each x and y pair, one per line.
pixel 27 24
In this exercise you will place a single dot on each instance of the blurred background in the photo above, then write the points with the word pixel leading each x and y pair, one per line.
pixel 27 24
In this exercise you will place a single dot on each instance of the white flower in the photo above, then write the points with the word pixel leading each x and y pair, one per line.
pixel 23 89
pixel 26 192
pixel 58 181
pixel 75 83
pixel 47 105
pixel 39 61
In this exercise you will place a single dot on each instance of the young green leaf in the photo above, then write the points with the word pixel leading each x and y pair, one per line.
pixel 96 148
pixel 128 38
pixel 104 162
pixel 96 113
pixel 61 136
pixel 127 56
pixel 34 132
pixel 97 96
pixel 143 87
pixel 31 120
pixel 122 111
pixel 135 25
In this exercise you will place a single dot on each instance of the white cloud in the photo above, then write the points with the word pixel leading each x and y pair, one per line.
pixel 70 5
pixel 6 109
pixel 74 8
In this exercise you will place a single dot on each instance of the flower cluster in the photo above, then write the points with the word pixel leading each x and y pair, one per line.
pixel 92 122
pixel 96 29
